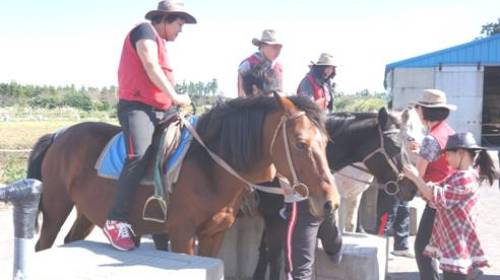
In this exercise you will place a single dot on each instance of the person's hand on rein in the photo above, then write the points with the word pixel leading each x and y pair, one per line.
pixel 413 145
pixel 410 171
pixel 181 100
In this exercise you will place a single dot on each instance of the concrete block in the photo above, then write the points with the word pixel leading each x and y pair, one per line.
pixel 365 258
pixel 368 208
pixel 240 247
pixel 95 260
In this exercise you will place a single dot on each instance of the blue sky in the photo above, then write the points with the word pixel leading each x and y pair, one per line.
pixel 62 42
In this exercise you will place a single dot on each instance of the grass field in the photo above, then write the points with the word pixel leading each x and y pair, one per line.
pixel 23 134
pixel 16 135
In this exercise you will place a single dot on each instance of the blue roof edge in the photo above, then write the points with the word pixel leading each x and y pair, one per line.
pixel 443 51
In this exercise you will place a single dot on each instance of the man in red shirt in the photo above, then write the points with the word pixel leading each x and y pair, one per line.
pixel 146 90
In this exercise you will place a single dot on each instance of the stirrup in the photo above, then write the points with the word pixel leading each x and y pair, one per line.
pixel 163 206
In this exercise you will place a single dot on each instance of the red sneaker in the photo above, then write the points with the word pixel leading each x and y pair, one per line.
pixel 119 235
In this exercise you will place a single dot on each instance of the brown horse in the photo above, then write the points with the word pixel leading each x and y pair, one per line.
pixel 252 135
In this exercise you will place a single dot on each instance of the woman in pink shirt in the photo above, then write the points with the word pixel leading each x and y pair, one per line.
pixel 454 239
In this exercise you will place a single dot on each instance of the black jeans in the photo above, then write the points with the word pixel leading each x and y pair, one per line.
pixel 426 265
pixel 138 122
pixel 302 233
pixel 397 219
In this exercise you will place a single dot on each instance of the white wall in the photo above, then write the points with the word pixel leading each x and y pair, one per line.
pixel 407 84
pixel 463 86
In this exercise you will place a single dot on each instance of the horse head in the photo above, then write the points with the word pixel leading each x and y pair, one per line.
pixel 392 155
pixel 298 147
pixel 375 140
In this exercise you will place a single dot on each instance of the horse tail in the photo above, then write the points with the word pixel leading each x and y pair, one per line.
pixel 36 156
pixel 35 161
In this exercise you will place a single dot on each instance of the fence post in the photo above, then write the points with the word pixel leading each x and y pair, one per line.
pixel 25 197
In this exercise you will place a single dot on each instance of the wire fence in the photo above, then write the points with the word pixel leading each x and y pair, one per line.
pixel 15 150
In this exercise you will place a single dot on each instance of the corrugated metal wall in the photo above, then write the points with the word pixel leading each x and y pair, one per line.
pixel 407 84
pixel 463 86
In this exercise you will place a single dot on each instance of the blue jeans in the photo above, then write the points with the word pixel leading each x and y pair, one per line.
pixel 394 216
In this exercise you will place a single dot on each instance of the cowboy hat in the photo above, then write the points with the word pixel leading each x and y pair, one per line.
pixel 171 7
pixel 462 140
pixel 434 98
pixel 268 37
pixel 325 59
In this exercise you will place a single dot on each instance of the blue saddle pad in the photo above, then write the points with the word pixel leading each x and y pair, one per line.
pixel 112 158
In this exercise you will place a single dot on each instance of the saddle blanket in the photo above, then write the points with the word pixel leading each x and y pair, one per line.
pixel 112 159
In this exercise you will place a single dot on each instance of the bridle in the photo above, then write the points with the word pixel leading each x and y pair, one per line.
pixel 391 187
pixel 296 187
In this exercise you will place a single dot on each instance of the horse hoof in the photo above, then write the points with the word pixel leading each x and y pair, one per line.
pixel 337 257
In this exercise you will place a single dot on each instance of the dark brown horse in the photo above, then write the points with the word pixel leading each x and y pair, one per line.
pixel 252 135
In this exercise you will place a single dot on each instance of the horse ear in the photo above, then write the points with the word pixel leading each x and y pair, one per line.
pixel 285 104
pixel 383 116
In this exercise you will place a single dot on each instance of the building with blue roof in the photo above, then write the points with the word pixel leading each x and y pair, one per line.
pixel 469 74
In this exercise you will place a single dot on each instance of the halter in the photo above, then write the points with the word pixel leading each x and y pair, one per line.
pixel 251 186
pixel 390 187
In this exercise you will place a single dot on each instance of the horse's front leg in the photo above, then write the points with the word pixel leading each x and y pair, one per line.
pixel 276 240
pixel 161 241
pixel 209 246
pixel 263 260
pixel 182 240
pixel 212 235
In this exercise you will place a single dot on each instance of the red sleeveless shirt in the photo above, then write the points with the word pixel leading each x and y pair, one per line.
pixel 440 169
pixel 133 81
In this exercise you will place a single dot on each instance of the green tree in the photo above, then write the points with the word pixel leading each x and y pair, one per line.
pixel 491 28
pixel 78 100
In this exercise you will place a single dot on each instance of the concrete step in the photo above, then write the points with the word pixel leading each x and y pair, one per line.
pixel 364 258
pixel 95 260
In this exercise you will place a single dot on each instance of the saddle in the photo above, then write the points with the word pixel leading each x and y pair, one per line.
pixel 169 147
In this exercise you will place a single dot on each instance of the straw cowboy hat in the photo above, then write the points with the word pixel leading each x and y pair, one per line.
pixel 463 140
pixel 325 59
pixel 268 37
pixel 434 98
pixel 171 7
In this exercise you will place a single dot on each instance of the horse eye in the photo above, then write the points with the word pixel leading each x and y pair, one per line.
pixel 301 146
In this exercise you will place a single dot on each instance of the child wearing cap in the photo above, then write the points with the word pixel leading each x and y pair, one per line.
pixel 454 239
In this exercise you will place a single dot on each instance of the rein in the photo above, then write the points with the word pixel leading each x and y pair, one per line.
pixel 251 186
pixel 354 178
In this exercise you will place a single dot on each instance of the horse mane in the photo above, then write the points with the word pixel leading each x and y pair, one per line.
pixel 234 129
pixel 337 122
pixel 340 123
